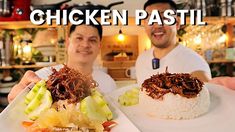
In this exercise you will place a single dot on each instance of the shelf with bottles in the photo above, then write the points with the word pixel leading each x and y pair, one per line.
pixel 220 61
pixel 27 66
pixel 26 45
pixel 23 24
pixel 219 19
pixel 233 36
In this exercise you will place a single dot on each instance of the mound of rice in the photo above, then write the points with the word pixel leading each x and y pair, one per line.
pixel 174 96
pixel 175 106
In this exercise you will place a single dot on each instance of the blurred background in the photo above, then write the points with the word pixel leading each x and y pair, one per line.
pixel 24 46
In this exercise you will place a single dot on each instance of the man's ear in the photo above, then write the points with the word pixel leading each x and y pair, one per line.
pixel 100 46
pixel 67 42
pixel 177 22
pixel 145 23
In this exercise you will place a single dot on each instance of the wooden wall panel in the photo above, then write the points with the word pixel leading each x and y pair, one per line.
pixel 110 44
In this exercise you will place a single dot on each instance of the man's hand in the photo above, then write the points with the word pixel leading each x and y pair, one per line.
pixel 28 78
pixel 201 75
pixel 228 82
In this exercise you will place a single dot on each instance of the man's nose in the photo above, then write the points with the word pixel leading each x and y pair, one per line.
pixel 156 25
pixel 85 44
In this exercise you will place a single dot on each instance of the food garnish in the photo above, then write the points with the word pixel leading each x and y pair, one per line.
pixel 130 97
pixel 37 100
pixel 177 83
pixel 67 101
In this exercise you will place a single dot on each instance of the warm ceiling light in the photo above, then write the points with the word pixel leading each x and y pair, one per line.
pixel 197 40
pixel 223 38
pixel 120 36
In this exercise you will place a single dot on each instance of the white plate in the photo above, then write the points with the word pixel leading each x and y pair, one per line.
pixel 45 63
pixel 12 117
pixel 220 117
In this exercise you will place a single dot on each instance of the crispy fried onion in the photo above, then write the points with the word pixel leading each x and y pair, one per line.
pixel 177 83
pixel 69 84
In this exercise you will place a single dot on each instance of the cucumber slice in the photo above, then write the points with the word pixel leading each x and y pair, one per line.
pixel 107 112
pixel 31 94
pixel 99 100
pixel 130 97
pixel 134 101
pixel 91 109
pixel 98 97
pixel 103 106
pixel 125 101
pixel 95 92
pixel 36 100
pixel 34 91
pixel 135 90
pixel 129 94
pixel 46 103
pixel 121 99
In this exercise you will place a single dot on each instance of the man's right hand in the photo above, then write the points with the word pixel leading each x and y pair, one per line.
pixel 28 78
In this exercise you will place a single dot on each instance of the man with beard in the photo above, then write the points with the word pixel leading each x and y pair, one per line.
pixel 166 52
pixel 83 48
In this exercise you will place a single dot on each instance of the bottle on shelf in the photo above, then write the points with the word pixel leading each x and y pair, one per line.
pixel 1 48
pixel 2 53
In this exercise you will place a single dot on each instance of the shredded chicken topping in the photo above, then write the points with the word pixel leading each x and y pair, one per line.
pixel 177 83
pixel 69 84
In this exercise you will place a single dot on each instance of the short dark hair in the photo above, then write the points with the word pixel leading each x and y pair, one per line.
pixel 170 2
pixel 97 26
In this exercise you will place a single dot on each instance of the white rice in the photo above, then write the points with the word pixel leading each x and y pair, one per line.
pixel 175 106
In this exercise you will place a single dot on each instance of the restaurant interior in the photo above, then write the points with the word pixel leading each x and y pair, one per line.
pixel 25 46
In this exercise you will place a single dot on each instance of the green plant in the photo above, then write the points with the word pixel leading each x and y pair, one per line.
pixel 37 56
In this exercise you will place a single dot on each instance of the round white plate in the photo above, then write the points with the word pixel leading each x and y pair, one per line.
pixel 13 115
pixel 220 117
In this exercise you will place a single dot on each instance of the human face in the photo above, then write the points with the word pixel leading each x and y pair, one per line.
pixel 84 45
pixel 160 36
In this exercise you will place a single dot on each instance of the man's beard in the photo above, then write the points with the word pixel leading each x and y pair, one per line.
pixel 160 46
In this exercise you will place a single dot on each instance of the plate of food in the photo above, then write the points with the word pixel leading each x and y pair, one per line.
pixel 177 102
pixel 65 101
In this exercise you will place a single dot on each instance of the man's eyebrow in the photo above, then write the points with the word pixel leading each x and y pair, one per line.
pixel 165 10
pixel 95 37
pixel 160 12
pixel 92 37
pixel 78 34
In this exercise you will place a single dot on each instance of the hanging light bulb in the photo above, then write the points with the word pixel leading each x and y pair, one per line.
pixel 27 50
pixel 120 36
pixel 197 40
pixel 223 38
